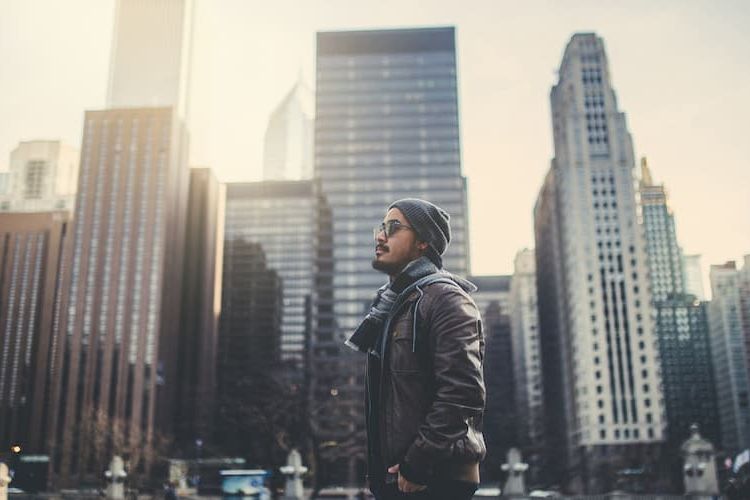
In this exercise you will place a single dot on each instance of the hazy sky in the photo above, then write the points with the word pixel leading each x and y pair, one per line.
pixel 680 70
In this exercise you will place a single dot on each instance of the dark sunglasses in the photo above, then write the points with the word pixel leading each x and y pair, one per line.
pixel 389 228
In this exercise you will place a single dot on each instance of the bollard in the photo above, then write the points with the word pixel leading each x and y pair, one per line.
pixel 293 471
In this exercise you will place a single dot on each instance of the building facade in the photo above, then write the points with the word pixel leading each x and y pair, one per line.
pixel 664 256
pixel 151 56
pixel 500 421
pixel 288 143
pixel 527 366
pixel 730 336
pixel 386 127
pixel 122 296
pixel 694 276
pixel 42 177
pixel 681 323
pixel 32 253
pixel 599 355
pixel 196 347
pixel 280 216
pixel 687 368
pixel 249 350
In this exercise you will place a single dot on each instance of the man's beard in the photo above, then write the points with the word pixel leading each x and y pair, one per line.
pixel 389 268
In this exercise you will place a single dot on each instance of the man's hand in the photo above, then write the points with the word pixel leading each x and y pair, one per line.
pixel 403 484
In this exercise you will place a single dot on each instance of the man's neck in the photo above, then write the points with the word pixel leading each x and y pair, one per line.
pixel 392 277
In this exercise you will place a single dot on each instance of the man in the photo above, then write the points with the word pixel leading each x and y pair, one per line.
pixel 424 343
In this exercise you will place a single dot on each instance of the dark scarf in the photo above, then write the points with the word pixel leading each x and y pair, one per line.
pixel 366 336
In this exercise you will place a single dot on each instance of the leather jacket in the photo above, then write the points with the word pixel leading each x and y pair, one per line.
pixel 426 408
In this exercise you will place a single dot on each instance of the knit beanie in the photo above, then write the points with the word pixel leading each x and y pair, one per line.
pixel 430 222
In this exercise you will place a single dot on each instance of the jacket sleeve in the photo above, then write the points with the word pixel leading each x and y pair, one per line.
pixel 457 348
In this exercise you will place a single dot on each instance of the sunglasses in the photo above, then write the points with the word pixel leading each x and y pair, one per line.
pixel 389 228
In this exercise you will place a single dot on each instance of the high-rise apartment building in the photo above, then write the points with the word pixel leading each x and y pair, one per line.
pixel 728 314
pixel 527 365
pixel 288 145
pixel 599 355
pixel 42 177
pixel 386 127
pixel 31 256
pixel 123 282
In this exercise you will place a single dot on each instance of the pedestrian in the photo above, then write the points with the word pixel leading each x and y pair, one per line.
pixel 424 343
pixel 170 492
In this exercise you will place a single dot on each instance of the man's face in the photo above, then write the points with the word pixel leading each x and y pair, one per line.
pixel 394 252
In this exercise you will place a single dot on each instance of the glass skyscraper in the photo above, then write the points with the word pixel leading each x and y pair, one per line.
pixel 280 217
pixel 681 323
pixel 386 128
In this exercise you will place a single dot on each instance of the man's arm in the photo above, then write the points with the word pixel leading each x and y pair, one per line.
pixel 457 348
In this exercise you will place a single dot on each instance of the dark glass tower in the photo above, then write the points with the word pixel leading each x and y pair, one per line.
pixel 386 128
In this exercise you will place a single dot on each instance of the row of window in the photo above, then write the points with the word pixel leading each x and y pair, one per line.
pixel 395 98
pixel 392 60
pixel 385 72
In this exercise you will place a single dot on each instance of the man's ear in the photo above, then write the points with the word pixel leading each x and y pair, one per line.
pixel 422 246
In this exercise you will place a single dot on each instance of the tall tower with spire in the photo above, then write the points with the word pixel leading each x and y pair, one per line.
pixel 600 362
pixel 681 323
pixel 288 146
pixel 665 259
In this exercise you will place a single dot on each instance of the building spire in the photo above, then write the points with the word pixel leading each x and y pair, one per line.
pixel 646 178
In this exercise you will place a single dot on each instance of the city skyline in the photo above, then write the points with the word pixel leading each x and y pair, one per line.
pixel 703 107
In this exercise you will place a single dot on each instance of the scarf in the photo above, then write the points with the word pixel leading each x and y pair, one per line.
pixel 365 338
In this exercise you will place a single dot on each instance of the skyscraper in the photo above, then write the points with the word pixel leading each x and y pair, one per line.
pixel 151 55
pixel 694 276
pixel 32 255
pixel 122 305
pixel 196 346
pixel 600 362
pixel 248 356
pixel 123 296
pixel 288 145
pixel 681 324
pixel 527 366
pixel 664 256
pixel 728 315
pixel 280 217
pixel 500 416
pixel 43 176
pixel 386 127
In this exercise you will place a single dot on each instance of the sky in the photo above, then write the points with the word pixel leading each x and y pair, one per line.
pixel 680 70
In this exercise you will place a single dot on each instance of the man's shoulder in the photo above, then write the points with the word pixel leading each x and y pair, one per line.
pixel 444 293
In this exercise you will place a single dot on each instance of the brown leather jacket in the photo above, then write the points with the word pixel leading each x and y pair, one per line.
pixel 429 396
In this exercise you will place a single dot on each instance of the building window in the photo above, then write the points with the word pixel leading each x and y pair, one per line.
pixel 34 181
